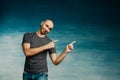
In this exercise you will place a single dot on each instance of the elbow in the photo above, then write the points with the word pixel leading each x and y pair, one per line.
pixel 27 54
pixel 56 63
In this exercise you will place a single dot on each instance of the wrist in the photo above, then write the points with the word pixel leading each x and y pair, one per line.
pixel 45 47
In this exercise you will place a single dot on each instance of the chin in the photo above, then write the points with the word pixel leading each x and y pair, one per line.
pixel 44 32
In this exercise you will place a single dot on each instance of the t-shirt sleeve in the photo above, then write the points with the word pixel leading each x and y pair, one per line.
pixel 53 50
pixel 26 38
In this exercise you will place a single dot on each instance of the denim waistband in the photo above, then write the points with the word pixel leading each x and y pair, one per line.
pixel 36 73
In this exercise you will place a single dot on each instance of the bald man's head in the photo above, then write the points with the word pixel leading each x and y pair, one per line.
pixel 47 21
pixel 46 26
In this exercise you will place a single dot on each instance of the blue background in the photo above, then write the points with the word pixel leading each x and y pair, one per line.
pixel 93 24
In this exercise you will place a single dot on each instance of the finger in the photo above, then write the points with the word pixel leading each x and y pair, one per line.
pixel 54 41
pixel 72 42
pixel 70 47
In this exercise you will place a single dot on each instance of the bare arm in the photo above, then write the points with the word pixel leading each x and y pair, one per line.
pixel 33 51
pixel 58 59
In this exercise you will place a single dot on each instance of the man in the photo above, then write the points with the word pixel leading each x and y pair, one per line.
pixel 36 46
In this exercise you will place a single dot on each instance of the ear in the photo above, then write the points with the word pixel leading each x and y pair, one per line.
pixel 42 22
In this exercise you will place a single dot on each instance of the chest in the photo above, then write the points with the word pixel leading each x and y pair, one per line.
pixel 37 42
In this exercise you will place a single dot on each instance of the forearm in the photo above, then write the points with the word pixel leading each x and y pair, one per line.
pixel 33 51
pixel 60 58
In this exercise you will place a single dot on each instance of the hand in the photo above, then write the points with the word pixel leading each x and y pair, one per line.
pixel 51 44
pixel 69 47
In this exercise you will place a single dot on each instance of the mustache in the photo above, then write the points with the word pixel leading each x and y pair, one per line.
pixel 44 31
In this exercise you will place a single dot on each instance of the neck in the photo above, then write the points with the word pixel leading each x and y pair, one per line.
pixel 40 34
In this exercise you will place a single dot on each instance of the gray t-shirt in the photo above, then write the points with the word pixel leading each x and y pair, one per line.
pixel 37 63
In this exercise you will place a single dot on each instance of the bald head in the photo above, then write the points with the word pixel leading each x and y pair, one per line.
pixel 46 26
pixel 47 21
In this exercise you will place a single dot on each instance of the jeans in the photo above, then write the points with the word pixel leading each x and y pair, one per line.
pixel 35 76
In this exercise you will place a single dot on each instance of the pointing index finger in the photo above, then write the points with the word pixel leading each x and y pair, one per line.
pixel 72 42
pixel 54 41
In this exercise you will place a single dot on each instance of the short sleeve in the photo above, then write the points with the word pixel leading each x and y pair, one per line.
pixel 53 50
pixel 26 38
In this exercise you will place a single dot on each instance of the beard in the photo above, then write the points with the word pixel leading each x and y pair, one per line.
pixel 43 32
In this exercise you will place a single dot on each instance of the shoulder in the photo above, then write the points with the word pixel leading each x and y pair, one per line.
pixel 28 34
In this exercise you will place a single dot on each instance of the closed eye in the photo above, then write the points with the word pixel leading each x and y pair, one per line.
pixel 48 27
